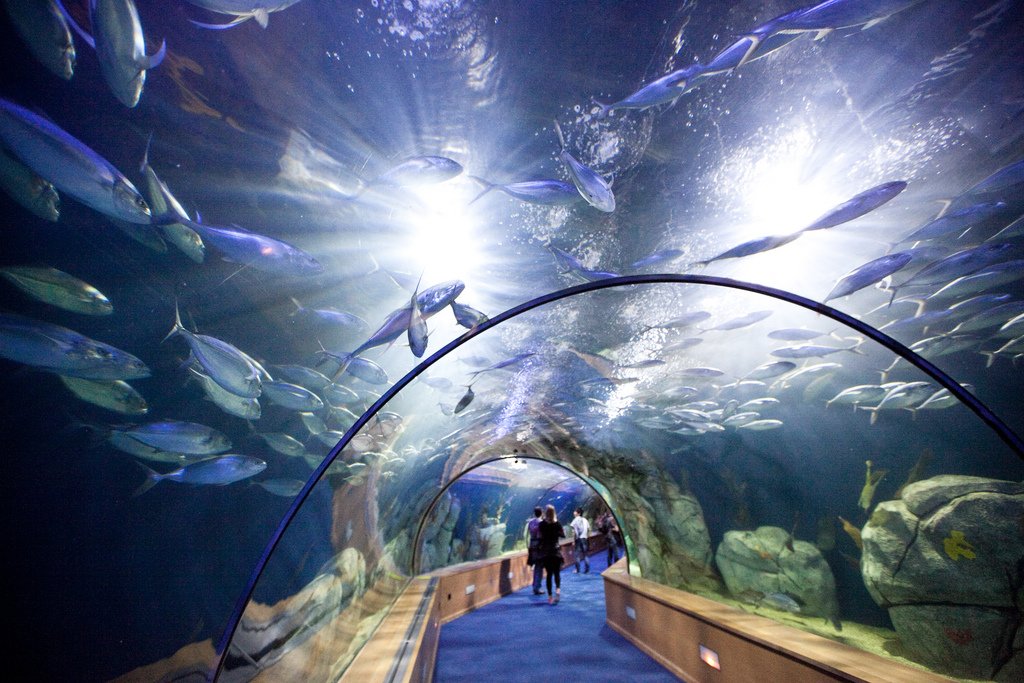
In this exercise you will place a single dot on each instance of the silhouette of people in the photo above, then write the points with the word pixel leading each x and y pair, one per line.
pixel 607 526
pixel 533 557
pixel 581 540
pixel 551 533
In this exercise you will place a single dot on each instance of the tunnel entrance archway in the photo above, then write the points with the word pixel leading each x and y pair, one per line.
pixel 595 486
pixel 992 421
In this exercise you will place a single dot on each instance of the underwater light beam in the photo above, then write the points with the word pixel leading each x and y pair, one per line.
pixel 1007 435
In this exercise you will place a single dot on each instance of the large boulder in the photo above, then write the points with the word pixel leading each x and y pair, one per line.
pixel 947 562
pixel 761 563
pixel 665 525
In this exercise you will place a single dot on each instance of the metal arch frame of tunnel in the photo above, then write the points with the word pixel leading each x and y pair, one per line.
pixel 980 409
pixel 522 456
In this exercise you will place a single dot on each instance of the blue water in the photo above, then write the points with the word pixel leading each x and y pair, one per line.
pixel 271 129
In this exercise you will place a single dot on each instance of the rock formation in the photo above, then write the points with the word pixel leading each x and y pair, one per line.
pixel 760 563
pixel 947 561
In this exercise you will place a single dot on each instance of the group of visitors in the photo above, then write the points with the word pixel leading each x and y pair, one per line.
pixel 545 536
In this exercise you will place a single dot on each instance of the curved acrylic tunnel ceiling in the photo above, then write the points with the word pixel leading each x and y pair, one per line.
pixel 485 509
pixel 296 133
pixel 694 421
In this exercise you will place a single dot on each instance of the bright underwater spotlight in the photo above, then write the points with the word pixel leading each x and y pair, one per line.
pixel 444 240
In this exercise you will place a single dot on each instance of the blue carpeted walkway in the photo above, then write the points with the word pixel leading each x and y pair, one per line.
pixel 523 638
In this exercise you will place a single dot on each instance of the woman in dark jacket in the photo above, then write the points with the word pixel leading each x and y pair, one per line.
pixel 551 534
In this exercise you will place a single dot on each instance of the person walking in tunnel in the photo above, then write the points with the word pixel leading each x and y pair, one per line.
pixel 551 533
pixel 581 540
pixel 609 529
pixel 533 549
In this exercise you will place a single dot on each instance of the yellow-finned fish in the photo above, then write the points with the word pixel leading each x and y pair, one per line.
pixel 871 481
pixel 57 288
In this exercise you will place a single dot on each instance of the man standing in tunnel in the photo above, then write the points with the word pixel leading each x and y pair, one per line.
pixel 581 536
pixel 533 549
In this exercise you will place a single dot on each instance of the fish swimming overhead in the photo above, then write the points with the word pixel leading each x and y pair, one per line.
pixel 467 316
pixel 239 245
pixel 956 265
pixel 292 396
pixel 547 192
pixel 825 17
pixel 59 289
pixel 121 47
pixel 1000 185
pixel 858 205
pixel 57 349
pixel 216 471
pixel 28 189
pixel 745 50
pixel 184 238
pixel 657 257
pixel 505 363
pixel 755 246
pixel 46 32
pixel 464 402
pixel 795 334
pixel 116 395
pixel 868 274
pixel 771 369
pixel 417 332
pixel 413 172
pixel 329 316
pixel 742 321
pixel 232 404
pixel 190 438
pixel 591 186
pixel 664 90
pixel 71 166
pixel 242 10
pixel 430 301
pixel 225 364
pixel 956 221
pixel 811 351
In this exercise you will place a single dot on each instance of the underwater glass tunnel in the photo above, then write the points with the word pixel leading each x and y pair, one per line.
pixel 301 300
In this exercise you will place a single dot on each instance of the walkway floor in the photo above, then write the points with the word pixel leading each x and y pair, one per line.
pixel 523 638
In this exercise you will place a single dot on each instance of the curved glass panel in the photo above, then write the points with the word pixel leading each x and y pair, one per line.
pixel 781 476
pixel 354 152
pixel 484 512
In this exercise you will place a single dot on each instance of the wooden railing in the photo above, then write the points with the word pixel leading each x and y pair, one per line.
pixel 671 626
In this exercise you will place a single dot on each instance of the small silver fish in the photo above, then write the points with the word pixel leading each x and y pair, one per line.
pixel 116 395
pixel 70 165
pixel 225 364
pixel 417 332
pixel 28 189
pixel 292 396
pixel 664 90
pixel 217 471
pixel 740 322
pixel 57 288
pixel 545 192
pixel 241 10
pixel 868 274
pixel 178 437
pixel 464 402
pixel 285 444
pixel 858 205
pixel 57 349
pixel 232 404
pixel 121 47
pixel 591 186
